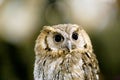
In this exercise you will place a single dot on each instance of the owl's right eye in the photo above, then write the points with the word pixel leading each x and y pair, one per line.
pixel 58 38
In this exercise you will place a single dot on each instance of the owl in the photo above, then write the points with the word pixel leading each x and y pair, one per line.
pixel 64 52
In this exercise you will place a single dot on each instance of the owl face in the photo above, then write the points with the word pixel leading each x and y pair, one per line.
pixel 63 37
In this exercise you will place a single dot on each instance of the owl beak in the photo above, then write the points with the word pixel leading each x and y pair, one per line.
pixel 69 46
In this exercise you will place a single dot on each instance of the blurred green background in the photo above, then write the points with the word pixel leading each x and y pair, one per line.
pixel 22 20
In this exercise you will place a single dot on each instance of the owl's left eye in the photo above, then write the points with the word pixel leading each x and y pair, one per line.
pixel 58 38
pixel 75 35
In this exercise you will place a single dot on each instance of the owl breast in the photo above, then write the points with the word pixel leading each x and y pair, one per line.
pixel 77 65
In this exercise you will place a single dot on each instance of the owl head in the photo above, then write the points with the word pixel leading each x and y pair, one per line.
pixel 62 37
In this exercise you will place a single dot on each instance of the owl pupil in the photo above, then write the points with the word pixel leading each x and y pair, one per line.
pixel 58 38
pixel 75 36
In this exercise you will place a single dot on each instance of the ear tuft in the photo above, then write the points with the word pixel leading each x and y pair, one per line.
pixel 48 29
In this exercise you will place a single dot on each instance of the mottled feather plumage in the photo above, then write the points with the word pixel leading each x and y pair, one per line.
pixel 55 62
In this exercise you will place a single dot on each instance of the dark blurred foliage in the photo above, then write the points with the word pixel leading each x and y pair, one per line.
pixel 17 58
pixel 12 64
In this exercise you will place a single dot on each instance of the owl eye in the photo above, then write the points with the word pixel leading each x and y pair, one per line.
pixel 58 38
pixel 75 35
